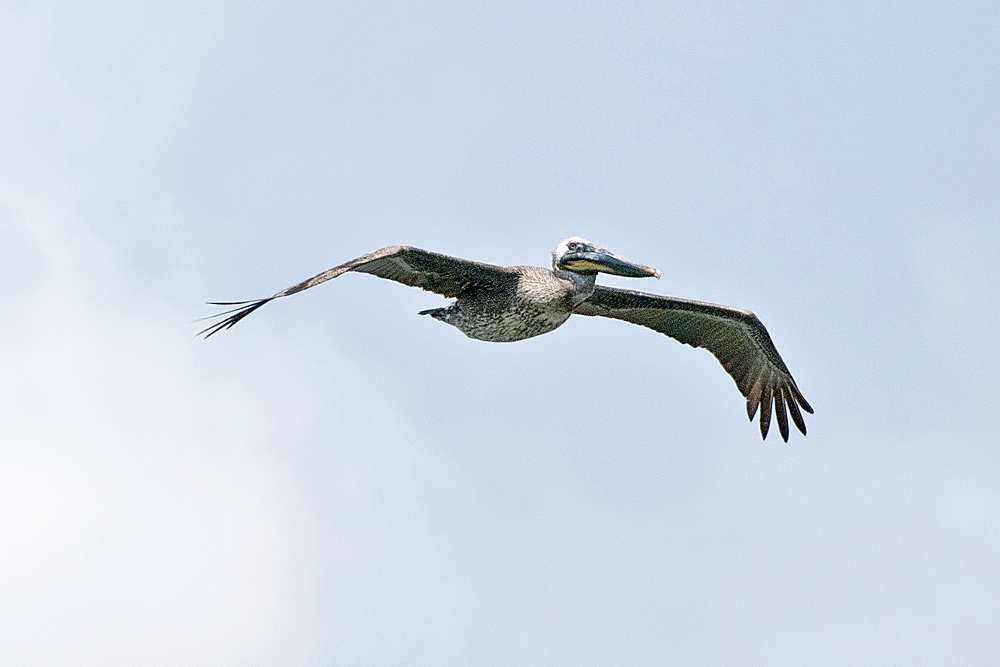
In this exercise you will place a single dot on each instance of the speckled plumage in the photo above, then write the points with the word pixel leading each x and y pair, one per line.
pixel 506 304
pixel 540 301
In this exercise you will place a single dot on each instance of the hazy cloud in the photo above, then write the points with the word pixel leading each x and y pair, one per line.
pixel 338 481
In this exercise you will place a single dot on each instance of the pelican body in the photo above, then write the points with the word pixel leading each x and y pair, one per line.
pixel 536 301
pixel 527 301
pixel 507 304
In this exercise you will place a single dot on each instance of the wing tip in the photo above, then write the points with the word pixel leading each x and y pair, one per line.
pixel 793 408
pixel 765 412
pixel 779 412
pixel 243 308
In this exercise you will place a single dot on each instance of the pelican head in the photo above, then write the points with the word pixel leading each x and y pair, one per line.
pixel 586 259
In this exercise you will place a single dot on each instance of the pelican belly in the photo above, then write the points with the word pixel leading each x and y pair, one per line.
pixel 507 326
pixel 539 302
pixel 514 325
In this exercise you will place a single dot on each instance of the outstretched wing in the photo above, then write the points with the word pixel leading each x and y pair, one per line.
pixel 442 274
pixel 736 337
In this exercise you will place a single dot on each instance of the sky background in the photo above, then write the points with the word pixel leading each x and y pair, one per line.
pixel 337 481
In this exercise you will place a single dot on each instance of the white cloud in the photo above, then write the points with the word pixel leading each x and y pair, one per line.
pixel 259 499
pixel 132 532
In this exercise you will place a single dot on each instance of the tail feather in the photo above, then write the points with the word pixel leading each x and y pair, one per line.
pixel 436 313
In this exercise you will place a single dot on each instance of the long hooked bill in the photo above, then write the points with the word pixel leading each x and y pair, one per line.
pixel 596 259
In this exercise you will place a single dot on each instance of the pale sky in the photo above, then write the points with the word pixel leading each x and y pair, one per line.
pixel 337 481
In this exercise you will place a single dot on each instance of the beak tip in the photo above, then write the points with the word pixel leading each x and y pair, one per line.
pixel 656 273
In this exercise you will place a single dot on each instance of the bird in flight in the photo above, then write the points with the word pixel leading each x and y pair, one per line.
pixel 510 303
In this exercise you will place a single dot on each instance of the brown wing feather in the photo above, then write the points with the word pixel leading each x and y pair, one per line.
pixel 736 337
pixel 448 276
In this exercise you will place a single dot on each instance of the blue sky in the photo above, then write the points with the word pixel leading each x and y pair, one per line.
pixel 339 481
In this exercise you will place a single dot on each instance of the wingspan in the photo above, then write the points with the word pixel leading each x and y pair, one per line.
pixel 736 337
pixel 448 276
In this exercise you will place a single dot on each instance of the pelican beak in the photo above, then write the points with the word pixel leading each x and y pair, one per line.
pixel 592 259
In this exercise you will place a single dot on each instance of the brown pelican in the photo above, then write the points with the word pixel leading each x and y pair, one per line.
pixel 505 304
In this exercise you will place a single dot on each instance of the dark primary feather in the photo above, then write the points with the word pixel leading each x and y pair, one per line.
pixel 448 276
pixel 736 337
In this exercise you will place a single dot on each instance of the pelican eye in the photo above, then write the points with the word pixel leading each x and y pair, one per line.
pixel 573 245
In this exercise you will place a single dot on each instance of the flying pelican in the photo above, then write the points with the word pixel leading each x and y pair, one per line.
pixel 504 304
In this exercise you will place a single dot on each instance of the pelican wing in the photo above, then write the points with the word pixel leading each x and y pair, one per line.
pixel 736 337
pixel 449 276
